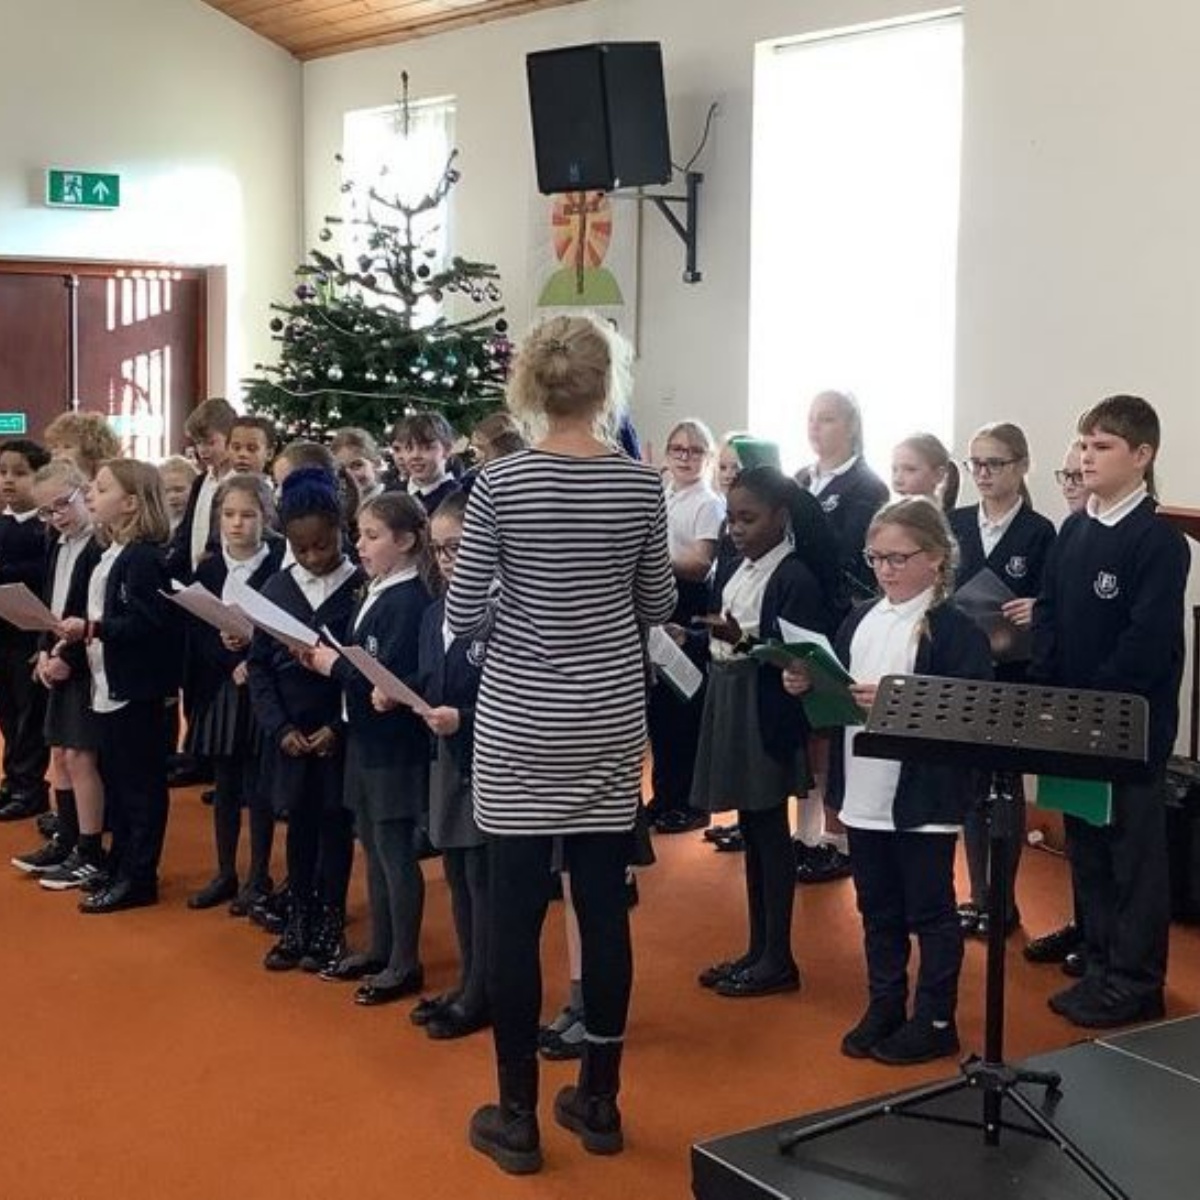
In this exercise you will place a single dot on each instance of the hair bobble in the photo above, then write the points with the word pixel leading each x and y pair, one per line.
pixel 555 346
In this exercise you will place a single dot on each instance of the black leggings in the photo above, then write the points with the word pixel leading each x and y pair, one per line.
pixel 518 894
pixel 236 782
pixel 395 891
pixel 770 889
pixel 467 874
pixel 320 851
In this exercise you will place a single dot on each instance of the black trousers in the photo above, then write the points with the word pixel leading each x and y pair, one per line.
pixel 320 832
pixel 674 727
pixel 519 886
pixel 22 715
pixel 1120 876
pixel 133 768
pixel 976 838
pixel 237 784
pixel 905 886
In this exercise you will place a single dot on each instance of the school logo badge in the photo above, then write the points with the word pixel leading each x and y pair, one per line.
pixel 1016 567
pixel 476 652
pixel 1107 586
pixel 372 645
pixel 829 503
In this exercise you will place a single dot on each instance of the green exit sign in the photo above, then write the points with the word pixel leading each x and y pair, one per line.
pixel 82 189
pixel 12 424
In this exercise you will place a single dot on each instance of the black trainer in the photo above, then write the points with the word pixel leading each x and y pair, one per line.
pixel 53 854
pixel 1054 947
pixel 880 1021
pixel 917 1041
pixel 74 872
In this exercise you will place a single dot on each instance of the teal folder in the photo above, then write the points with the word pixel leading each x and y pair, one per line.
pixel 1088 799
pixel 829 704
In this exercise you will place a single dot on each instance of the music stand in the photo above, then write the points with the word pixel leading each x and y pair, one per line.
pixel 1006 729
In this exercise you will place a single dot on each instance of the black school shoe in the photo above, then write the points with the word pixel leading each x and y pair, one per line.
pixel 121 895
pixel 454 1021
pixel 20 807
pixel 1074 966
pixel 877 1024
pixel 1105 1007
pixel 918 1040
pixel 681 820
pixel 820 864
pixel 716 833
pixel 37 862
pixel 1054 947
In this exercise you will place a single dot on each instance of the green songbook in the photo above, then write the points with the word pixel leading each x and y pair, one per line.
pixel 756 452
pixel 829 704
pixel 1088 799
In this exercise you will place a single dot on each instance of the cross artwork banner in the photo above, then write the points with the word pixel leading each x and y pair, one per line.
pixel 585 256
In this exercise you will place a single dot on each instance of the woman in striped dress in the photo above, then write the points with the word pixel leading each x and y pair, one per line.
pixel 563 565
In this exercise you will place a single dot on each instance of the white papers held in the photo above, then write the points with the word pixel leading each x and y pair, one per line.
pixel 676 668
pixel 20 607
pixel 378 675
pixel 796 635
pixel 272 619
pixel 200 602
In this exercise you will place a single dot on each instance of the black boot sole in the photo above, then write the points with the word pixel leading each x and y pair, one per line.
pixel 594 1141
pixel 511 1162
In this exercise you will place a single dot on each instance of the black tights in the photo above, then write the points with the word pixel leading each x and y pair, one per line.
pixel 770 889
pixel 467 874
pixel 235 784
pixel 518 894
pixel 396 892
pixel 320 851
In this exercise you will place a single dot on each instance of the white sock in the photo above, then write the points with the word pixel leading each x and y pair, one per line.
pixel 840 841
pixel 810 820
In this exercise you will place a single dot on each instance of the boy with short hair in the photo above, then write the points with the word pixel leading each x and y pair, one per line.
pixel 421 444
pixel 1110 617
pixel 208 427
pixel 251 444
pixel 23 550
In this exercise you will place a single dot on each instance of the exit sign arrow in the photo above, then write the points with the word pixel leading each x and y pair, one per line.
pixel 82 189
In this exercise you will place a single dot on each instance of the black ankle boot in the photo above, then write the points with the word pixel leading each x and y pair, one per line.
pixel 328 941
pixel 508 1132
pixel 286 954
pixel 590 1108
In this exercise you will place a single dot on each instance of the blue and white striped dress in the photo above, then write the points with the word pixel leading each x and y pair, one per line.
pixel 563 562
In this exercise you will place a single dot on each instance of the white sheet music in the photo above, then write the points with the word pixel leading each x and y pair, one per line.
pixel 377 674
pixel 20 607
pixel 679 670
pixel 200 602
pixel 271 619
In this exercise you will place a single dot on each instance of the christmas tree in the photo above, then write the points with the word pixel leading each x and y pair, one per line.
pixel 365 342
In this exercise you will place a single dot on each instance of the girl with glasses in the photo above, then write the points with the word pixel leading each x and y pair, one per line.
pixel 903 819
pixel 1003 534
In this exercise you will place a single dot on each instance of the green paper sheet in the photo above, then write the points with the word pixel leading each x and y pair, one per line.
pixel 829 704
pixel 1088 799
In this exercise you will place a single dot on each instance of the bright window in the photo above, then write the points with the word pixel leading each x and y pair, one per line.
pixel 855 231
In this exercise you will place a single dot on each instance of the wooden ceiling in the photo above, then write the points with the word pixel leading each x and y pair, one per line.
pixel 317 28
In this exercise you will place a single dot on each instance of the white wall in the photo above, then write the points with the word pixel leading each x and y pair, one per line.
pixel 695 338
pixel 201 119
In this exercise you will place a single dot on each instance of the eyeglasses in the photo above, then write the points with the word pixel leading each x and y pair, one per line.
pixel 685 453
pixel 1068 478
pixel 988 466
pixel 445 549
pixel 56 508
pixel 896 561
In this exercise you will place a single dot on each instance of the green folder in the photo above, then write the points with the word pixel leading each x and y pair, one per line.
pixel 755 452
pixel 829 704
pixel 1088 799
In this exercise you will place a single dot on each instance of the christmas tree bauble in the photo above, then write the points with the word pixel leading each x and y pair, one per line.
pixel 276 325
pixel 326 234
pixel 335 374
pixel 422 272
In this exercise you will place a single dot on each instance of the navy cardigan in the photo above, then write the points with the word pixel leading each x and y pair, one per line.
pixel 73 654
pixel 449 677
pixel 140 629
pixel 285 694
pixel 207 663
pixel 390 633
pixel 926 793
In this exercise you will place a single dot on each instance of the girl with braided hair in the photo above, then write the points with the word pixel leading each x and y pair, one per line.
pixel 903 819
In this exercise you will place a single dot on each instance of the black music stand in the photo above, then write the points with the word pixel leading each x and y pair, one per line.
pixel 1006 729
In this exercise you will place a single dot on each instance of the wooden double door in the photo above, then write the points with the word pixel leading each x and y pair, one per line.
pixel 127 340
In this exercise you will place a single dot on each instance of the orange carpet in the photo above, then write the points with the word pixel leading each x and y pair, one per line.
pixel 149 1055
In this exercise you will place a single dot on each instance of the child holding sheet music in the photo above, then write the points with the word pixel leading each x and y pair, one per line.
pixel 903 818
pixel 1001 534
pixel 387 746
pixel 300 714
pixel 753 737
pixel 215 676
pixel 73 854
pixel 131 637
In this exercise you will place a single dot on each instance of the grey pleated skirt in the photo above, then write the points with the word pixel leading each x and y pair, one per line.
pixel 451 812
pixel 395 791
pixel 733 768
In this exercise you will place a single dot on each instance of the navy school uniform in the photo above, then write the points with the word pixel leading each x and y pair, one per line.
pixel 179 549
pixel 287 695
pixel 449 677
pixel 429 501
pixel 1018 558
pixel 70 722
pixel 904 878
pixel 387 763
pixel 1110 617
pixel 23 548
pixel 141 637
pixel 850 501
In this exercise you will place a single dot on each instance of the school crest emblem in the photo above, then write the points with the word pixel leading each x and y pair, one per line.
pixel 476 652
pixel 829 503
pixel 1107 586
pixel 1017 567
pixel 372 645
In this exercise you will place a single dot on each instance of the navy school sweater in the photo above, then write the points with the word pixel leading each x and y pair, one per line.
pixel 286 695
pixel 449 677
pixel 390 633
pixel 926 793
pixel 1110 614
pixel 74 655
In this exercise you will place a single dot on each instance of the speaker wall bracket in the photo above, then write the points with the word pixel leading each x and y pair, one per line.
pixel 688 227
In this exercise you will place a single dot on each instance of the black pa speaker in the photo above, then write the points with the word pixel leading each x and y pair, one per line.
pixel 599 116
